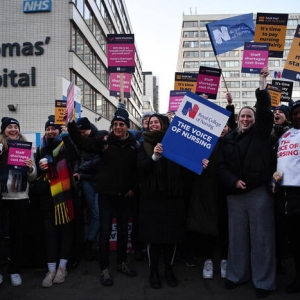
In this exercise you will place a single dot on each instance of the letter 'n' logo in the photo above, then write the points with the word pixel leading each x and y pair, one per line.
pixel 189 109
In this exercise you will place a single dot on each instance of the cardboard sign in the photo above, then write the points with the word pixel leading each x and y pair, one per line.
pixel 185 82
pixel 114 84
pixel 194 131
pixel 120 53
pixel 286 88
pixel 208 82
pixel 175 99
pixel 17 152
pixel 60 109
pixel 70 102
pixel 271 28
pixel 255 57
pixel 275 94
pixel 292 65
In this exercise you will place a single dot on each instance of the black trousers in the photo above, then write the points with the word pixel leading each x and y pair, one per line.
pixel 13 214
pixel 154 252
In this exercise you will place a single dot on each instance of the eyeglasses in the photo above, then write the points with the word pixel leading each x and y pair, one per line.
pixel 118 124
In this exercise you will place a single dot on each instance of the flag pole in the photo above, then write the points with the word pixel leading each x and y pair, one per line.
pixel 222 74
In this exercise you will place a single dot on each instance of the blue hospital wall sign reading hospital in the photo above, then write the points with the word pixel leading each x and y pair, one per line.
pixel 194 131
pixel 32 6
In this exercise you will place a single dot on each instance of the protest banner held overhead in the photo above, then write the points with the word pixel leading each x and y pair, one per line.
pixel 271 28
pixel 194 131
pixel 115 86
pixel 255 57
pixel 175 99
pixel 185 82
pixel 120 53
pixel 208 82
pixel 286 88
pixel 275 94
pixel 231 33
pixel 292 65
pixel 60 109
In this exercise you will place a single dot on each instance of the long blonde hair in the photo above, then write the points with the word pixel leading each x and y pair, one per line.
pixel 3 141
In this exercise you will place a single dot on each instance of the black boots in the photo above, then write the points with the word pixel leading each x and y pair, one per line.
pixel 154 280
pixel 88 252
pixel 170 277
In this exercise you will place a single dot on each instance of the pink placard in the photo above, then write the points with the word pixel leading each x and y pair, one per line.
pixel 175 99
pixel 18 152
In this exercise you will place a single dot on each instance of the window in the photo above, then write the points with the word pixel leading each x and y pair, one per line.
pixel 191 54
pixel 235 95
pixel 248 94
pixel 212 64
pixel 274 63
pixel 190 34
pixel 249 75
pixel 290 32
pixel 191 44
pixel 292 23
pixel 190 24
pixel 234 53
pixel 205 44
pixel 288 42
pixel 191 64
pixel 286 52
pixel 230 63
pixel 203 23
pixel 250 84
pixel 230 84
pixel 204 34
pixel 231 73
pixel 207 54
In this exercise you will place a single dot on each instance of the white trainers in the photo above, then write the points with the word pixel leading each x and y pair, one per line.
pixel 48 280
pixel 223 266
pixel 60 275
pixel 1 278
pixel 16 279
pixel 208 269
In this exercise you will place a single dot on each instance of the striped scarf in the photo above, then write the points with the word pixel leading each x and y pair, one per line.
pixel 61 186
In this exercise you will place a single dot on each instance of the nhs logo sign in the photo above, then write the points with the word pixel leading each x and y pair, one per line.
pixel 31 6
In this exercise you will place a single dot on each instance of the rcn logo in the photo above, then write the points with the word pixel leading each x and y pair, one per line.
pixel 31 6
pixel 221 35
pixel 190 109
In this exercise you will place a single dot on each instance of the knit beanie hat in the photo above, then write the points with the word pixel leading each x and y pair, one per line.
pixel 285 109
pixel 121 115
pixel 51 122
pixel 7 121
pixel 295 105
pixel 163 120
pixel 83 123
pixel 147 114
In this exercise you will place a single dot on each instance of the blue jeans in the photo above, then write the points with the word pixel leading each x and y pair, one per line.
pixel 91 200
pixel 108 205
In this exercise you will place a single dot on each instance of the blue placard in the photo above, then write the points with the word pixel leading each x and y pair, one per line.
pixel 32 6
pixel 194 131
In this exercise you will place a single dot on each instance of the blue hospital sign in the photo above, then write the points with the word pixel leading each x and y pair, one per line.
pixel 31 6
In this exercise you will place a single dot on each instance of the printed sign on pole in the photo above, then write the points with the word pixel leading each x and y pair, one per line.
pixel 114 84
pixel 292 65
pixel 208 82
pixel 286 88
pixel 275 94
pixel 120 53
pixel 255 57
pixel 175 99
pixel 185 82
pixel 60 109
pixel 194 131
pixel 271 28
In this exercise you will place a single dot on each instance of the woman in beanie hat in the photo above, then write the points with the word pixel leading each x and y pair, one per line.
pixel 288 160
pixel 14 198
pixel 116 184
pixel 57 201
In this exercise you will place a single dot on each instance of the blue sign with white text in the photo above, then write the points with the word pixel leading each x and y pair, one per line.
pixel 31 6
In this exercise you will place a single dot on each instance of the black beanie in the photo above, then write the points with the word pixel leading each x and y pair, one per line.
pixel 121 115
pixel 51 122
pixel 7 121
pixel 285 109
pixel 83 123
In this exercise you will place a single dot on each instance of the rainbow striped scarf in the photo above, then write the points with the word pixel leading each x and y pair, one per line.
pixel 61 186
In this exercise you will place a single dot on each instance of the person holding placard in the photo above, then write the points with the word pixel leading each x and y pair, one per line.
pixel 245 167
pixel 14 195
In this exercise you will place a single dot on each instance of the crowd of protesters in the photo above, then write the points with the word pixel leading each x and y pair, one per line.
pixel 246 202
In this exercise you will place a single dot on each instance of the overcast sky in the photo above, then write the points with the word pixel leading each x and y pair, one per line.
pixel 156 25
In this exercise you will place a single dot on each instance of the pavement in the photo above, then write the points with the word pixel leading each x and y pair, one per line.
pixel 83 283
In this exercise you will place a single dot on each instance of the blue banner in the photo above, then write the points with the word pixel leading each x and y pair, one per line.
pixel 194 131
pixel 231 33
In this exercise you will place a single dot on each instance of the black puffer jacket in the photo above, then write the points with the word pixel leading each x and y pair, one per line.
pixel 88 164
pixel 117 169
pixel 247 156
